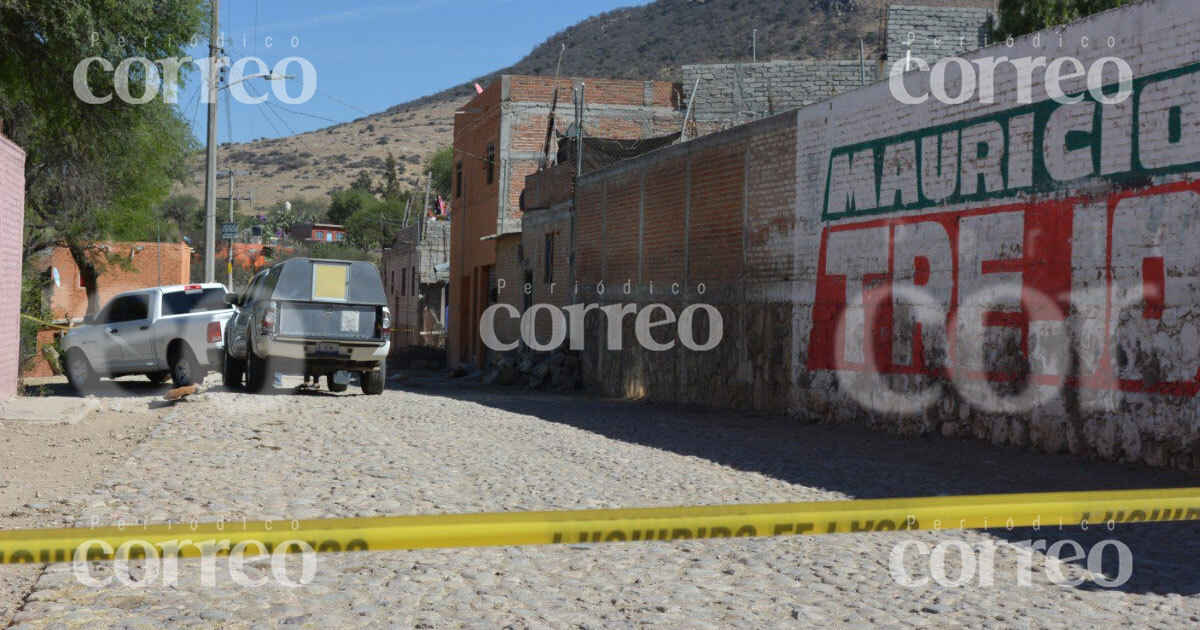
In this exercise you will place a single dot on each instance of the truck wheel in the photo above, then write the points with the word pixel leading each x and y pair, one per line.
pixel 257 373
pixel 185 369
pixel 336 388
pixel 80 374
pixel 372 382
pixel 159 378
pixel 232 371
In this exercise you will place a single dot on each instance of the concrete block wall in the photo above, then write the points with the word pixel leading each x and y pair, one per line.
pixel 739 92
pixel 960 269
pixel 12 222
pixel 935 32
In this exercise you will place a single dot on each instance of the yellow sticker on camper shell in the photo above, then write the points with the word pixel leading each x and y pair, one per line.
pixel 329 281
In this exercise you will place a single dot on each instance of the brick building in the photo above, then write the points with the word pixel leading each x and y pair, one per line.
pixel 151 265
pixel 416 277
pixel 12 222
pixel 854 285
pixel 498 140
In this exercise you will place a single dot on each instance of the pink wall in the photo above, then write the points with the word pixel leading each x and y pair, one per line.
pixel 12 219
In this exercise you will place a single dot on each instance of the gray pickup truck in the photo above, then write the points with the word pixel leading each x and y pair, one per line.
pixel 310 317
pixel 164 333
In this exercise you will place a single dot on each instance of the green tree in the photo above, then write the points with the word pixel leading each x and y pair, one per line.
pixel 363 182
pixel 343 203
pixel 441 164
pixel 1021 17
pixel 93 171
pixel 185 213
pixel 391 178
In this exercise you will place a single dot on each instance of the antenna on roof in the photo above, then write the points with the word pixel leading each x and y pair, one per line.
pixel 550 119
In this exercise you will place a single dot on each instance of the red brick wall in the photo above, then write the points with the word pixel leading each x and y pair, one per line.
pixel 508 267
pixel 12 220
pixel 69 301
pixel 683 225
pixel 546 188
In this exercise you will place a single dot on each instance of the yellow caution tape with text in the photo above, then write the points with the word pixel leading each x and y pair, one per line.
pixel 996 511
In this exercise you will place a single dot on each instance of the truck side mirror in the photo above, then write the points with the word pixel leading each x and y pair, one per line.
pixel 232 299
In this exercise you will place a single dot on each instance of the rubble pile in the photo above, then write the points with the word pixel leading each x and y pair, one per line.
pixel 555 370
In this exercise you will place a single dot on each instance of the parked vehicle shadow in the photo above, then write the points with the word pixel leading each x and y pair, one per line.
pixel 125 387
pixel 868 464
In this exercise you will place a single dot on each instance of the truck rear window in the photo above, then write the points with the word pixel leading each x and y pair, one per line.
pixel 182 302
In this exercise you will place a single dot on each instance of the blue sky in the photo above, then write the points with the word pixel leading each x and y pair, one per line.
pixel 372 54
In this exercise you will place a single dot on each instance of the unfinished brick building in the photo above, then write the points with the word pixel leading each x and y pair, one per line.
pixel 415 277
pixel 498 140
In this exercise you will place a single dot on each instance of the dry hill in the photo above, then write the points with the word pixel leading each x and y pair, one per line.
pixel 650 41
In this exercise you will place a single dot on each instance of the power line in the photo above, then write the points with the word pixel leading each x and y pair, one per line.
pixel 343 103
pixel 271 107
pixel 294 111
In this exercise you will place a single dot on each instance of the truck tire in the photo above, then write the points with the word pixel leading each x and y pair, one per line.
pixel 80 374
pixel 158 378
pixel 336 388
pixel 232 371
pixel 372 382
pixel 185 369
pixel 257 372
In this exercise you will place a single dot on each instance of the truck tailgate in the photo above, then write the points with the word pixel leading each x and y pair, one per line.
pixel 327 321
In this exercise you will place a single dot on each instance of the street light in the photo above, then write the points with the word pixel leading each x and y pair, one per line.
pixel 210 166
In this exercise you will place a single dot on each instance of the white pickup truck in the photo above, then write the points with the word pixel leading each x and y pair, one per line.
pixel 174 332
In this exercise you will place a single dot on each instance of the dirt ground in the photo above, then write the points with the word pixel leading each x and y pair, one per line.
pixel 43 464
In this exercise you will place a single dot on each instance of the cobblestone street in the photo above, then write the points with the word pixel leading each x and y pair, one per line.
pixel 433 446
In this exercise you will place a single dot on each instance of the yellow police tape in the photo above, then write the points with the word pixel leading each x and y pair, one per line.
pixel 42 321
pixel 1053 510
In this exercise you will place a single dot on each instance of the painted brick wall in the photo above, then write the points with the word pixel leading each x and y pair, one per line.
pixel 928 268
pixel 12 221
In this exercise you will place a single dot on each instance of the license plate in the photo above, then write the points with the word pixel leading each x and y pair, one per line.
pixel 326 347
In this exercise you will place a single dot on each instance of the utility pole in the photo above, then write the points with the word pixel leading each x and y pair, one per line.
pixel 862 63
pixel 425 204
pixel 754 46
pixel 210 163
pixel 229 257
pixel 579 137
pixel 688 113
pixel 575 189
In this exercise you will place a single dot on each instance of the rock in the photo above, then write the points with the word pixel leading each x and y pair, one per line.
pixel 506 373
